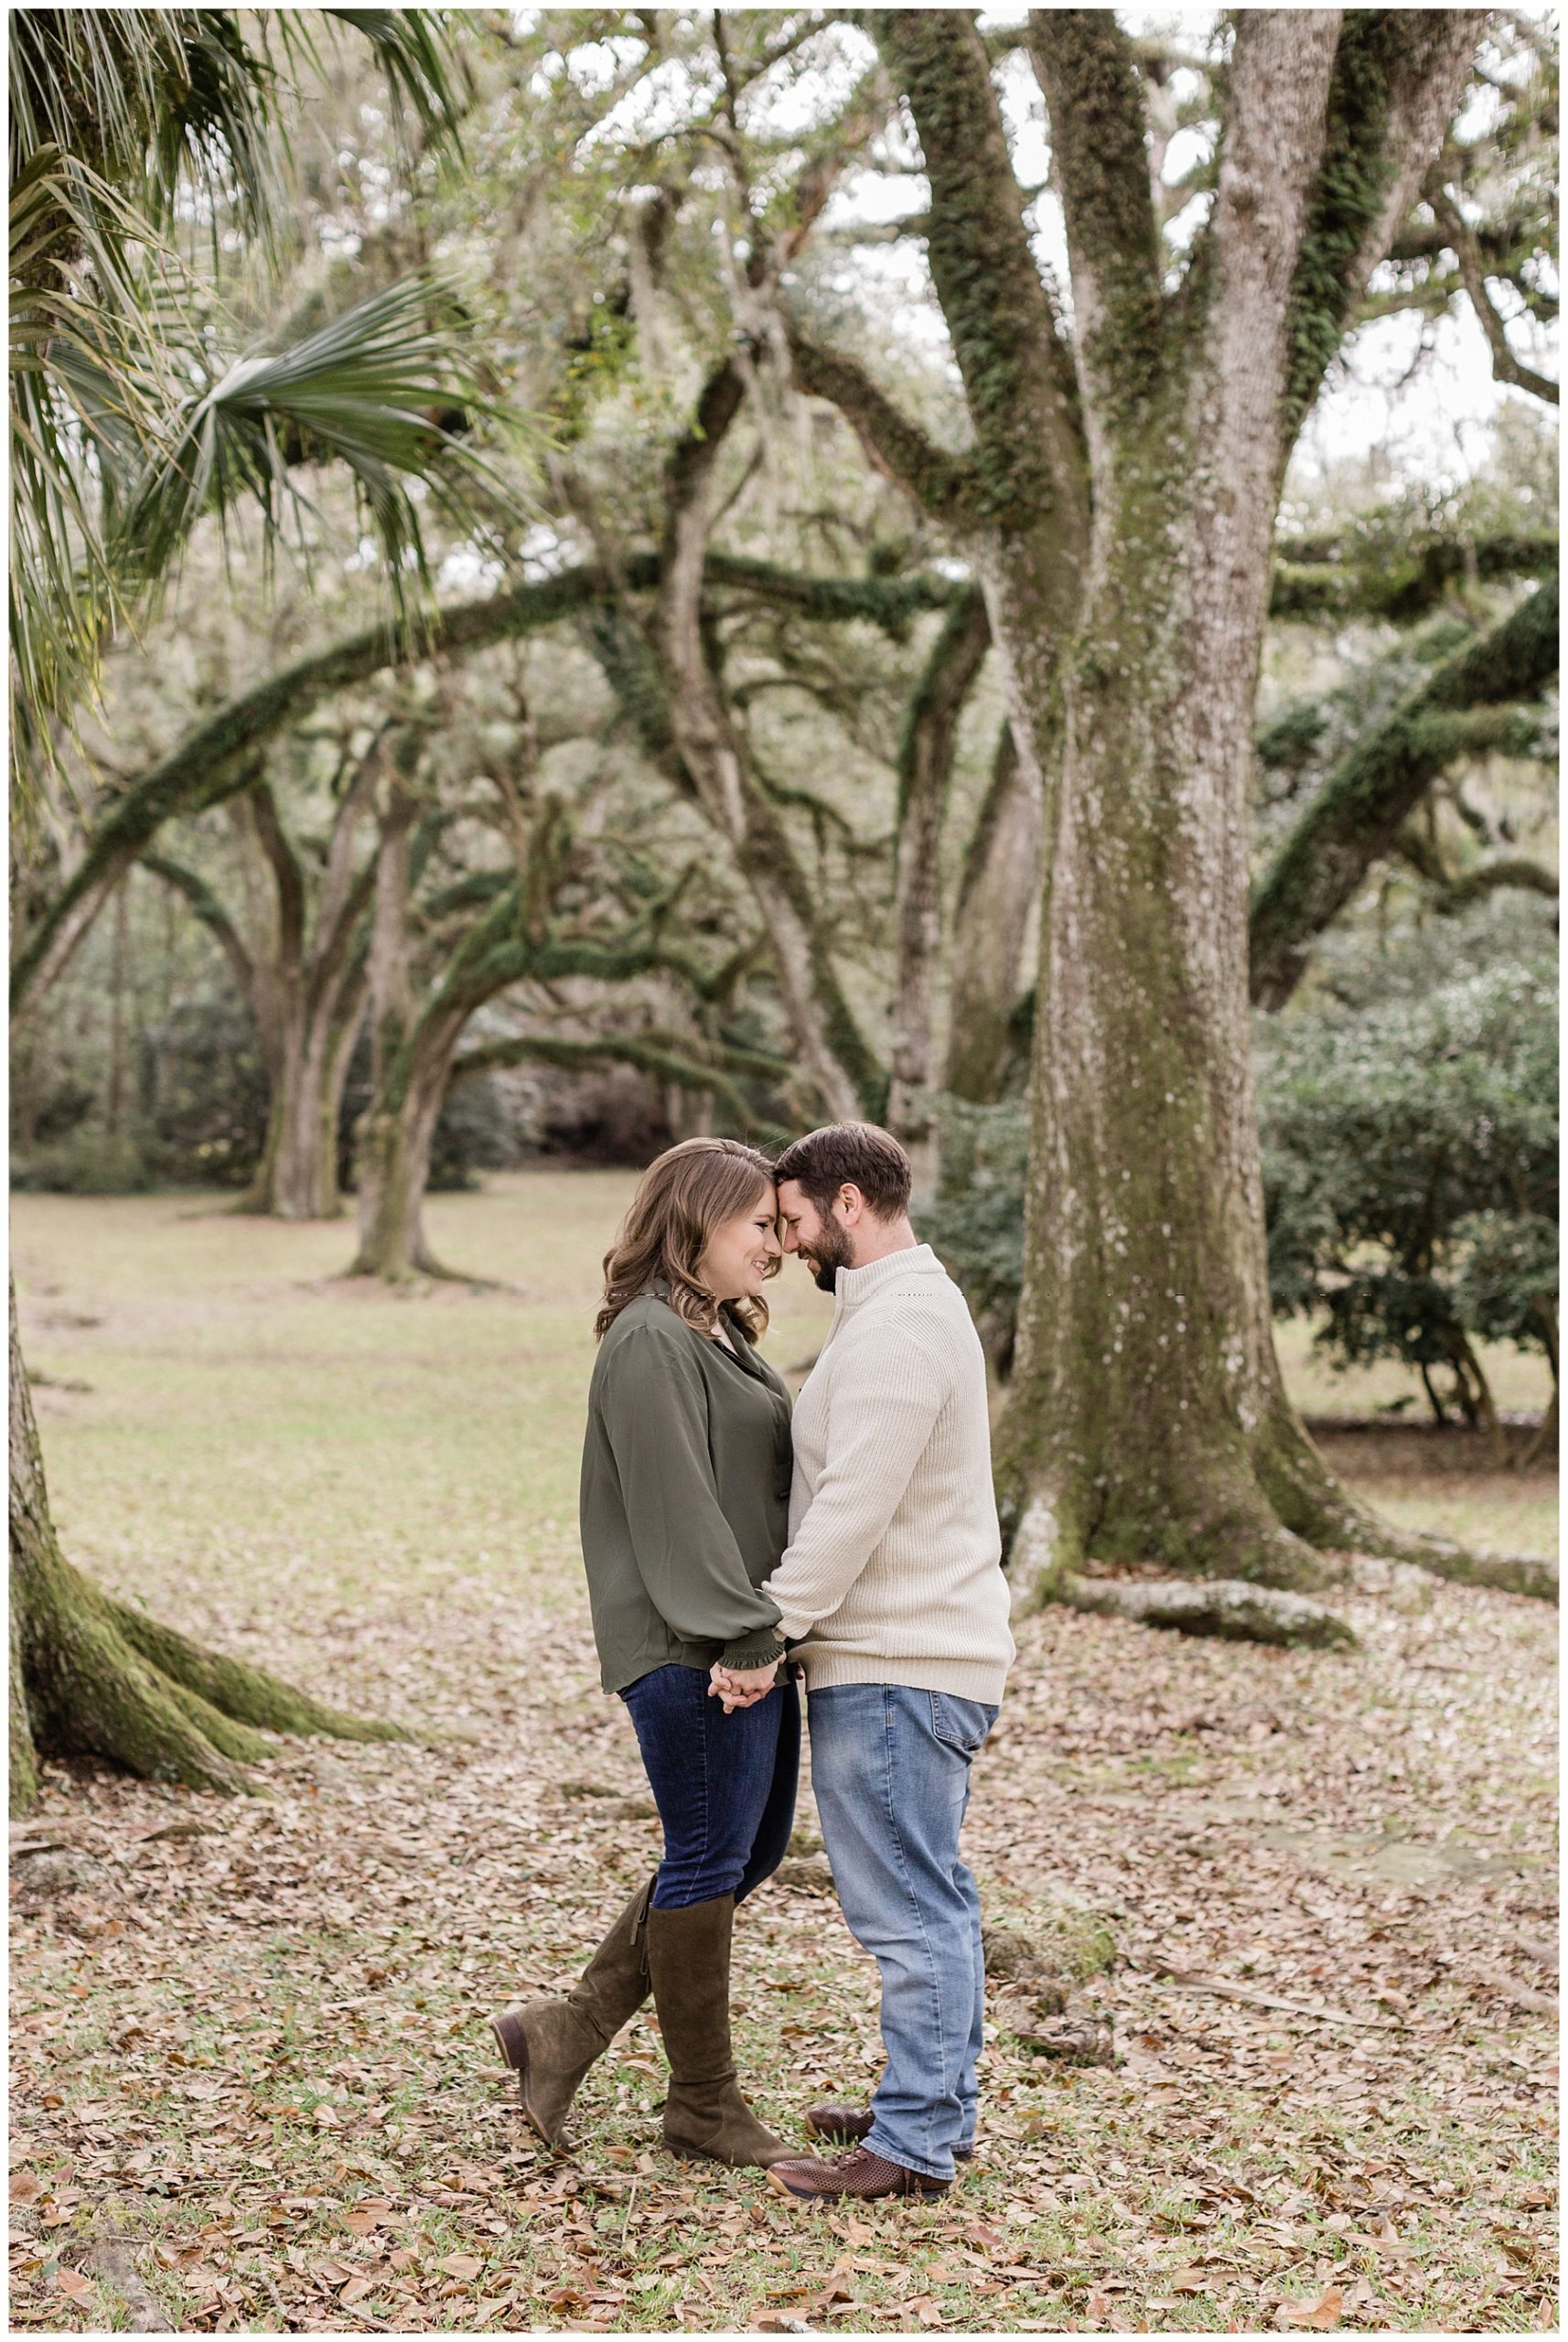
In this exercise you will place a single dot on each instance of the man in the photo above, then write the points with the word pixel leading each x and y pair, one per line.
pixel 893 1600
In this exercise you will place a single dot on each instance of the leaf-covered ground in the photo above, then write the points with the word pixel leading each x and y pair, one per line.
pixel 252 2085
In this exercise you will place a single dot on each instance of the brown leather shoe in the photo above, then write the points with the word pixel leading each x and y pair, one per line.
pixel 834 2121
pixel 855 2172
pixel 550 2044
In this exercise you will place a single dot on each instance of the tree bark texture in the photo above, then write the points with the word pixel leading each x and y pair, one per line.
pixel 95 1676
pixel 1146 1415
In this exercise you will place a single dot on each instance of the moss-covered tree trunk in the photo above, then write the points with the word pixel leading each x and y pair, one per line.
pixel 1122 521
pixel 1148 1417
pixel 1145 1417
pixel 94 1676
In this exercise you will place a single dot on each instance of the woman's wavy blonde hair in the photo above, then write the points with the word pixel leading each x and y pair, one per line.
pixel 687 1193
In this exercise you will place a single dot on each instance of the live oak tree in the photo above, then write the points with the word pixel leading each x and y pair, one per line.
pixel 300 962
pixel 1121 500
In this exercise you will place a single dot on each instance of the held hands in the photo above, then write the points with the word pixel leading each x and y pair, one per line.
pixel 741 1686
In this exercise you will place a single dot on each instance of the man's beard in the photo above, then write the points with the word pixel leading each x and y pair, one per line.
pixel 829 1253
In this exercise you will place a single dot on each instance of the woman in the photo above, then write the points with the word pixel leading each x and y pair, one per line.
pixel 685 1509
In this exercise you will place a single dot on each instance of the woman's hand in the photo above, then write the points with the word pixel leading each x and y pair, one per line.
pixel 741 1686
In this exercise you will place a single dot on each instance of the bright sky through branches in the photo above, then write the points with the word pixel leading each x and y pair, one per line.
pixel 1417 390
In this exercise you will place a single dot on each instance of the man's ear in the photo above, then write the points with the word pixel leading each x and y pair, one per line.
pixel 850 1203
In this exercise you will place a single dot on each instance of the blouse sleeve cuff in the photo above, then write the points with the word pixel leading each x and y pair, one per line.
pixel 754 1650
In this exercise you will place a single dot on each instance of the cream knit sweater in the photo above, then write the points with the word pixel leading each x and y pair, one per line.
pixel 893 1572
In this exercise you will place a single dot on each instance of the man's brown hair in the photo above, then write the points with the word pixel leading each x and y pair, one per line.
pixel 858 1153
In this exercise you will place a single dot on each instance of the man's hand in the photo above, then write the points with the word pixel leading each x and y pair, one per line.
pixel 741 1686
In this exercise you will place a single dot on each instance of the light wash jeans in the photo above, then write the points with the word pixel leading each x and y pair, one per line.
pixel 890 1768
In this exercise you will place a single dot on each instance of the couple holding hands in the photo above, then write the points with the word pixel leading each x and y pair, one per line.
pixel 730 1549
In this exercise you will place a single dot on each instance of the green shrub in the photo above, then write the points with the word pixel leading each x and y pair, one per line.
pixel 86 1162
pixel 1410 1172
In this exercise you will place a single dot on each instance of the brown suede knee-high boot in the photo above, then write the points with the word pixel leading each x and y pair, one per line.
pixel 704 2115
pixel 550 2044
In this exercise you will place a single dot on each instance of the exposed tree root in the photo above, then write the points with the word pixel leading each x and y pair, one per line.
pixel 93 1674
pixel 1319 1508
pixel 1224 1607
pixel 110 1683
pixel 1509 1572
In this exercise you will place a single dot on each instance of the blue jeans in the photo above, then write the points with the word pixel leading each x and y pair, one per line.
pixel 890 1768
pixel 725 1786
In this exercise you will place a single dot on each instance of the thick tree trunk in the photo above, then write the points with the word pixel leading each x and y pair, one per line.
pixel 1145 1385
pixel 393 1166
pixel 1148 1417
pixel 92 1675
pixel 297 1176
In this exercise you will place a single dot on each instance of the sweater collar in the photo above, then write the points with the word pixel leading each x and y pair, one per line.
pixel 852 1286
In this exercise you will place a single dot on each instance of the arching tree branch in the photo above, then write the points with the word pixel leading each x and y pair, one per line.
pixel 1506 366
pixel 220 758
pixel 1356 814
pixel 944 485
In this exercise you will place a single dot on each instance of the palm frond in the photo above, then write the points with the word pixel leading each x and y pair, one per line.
pixel 123 429
pixel 148 98
pixel 425 75
pixel 382 390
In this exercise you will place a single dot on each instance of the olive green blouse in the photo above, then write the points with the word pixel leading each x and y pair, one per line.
pixel 685 1495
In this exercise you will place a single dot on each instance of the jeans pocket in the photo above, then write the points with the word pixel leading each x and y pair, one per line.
pixel 962 1723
